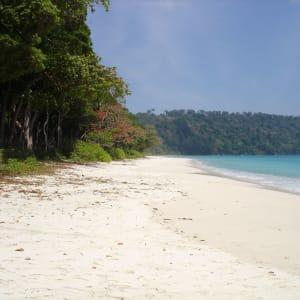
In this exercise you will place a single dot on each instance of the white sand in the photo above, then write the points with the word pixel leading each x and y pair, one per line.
pixel 124 231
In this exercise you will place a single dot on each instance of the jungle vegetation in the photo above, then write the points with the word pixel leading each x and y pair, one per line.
pixel 54 90
pixel 217 132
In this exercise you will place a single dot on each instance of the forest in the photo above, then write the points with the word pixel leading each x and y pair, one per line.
pixel 55 94
pixel 216 132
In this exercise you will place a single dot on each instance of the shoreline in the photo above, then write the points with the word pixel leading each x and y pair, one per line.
pixel 147 228
pixel 210 172
pixel 256 197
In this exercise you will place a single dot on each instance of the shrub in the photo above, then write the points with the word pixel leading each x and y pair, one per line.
pixel 89 152
pixel 134 154
pixel 117 153
pixel 104 139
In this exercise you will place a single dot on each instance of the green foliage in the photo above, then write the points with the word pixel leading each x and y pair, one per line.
pixel 105 3
pixel 17 166
pixel 89 152
pixel 134 154
pixel 2 156
pixel 104 138
pixel 160 149
pixel 23 23
pixel 149 140
pixel 117 153
pixel 51 81
pixel 54 89
pixel 13 153
pixel 190 132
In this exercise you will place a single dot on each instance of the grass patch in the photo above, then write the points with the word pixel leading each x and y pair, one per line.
pixel 30 165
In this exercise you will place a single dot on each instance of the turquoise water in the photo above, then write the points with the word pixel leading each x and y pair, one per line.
pixel 278 171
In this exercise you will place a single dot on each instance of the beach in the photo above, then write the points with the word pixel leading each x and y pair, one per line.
pixel 153 228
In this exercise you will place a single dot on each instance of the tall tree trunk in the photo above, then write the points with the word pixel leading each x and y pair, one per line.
pixel 26 137
pixel 15 123
pixel 26 128
pixel 4 111
pixel 59 132
pixel 2 128
pixel 45 131
pixel 32 125
pixel 37 135
pixel 29 122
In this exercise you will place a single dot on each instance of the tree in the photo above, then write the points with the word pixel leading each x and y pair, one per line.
pixel 48 67
pixel 52 84
pixel 22 26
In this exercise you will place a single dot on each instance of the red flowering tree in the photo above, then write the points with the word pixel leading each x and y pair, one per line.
pixel 116 127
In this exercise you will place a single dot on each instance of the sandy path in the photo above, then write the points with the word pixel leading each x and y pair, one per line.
pixel 93 232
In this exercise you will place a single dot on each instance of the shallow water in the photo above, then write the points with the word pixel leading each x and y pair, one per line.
pixel 274 171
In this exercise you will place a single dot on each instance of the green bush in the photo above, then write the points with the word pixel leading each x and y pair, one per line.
pixel 89 152
pixel 17 166
pixel 104 139
pixel 134 154
pixel 117 153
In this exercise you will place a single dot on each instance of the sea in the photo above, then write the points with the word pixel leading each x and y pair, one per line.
pixel 281 172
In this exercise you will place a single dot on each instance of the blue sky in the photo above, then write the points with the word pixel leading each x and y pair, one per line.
pixel 233 55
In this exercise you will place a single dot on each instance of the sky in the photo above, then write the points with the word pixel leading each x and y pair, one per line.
pixel 221 55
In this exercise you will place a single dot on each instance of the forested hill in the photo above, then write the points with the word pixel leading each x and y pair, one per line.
pixel 200 132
